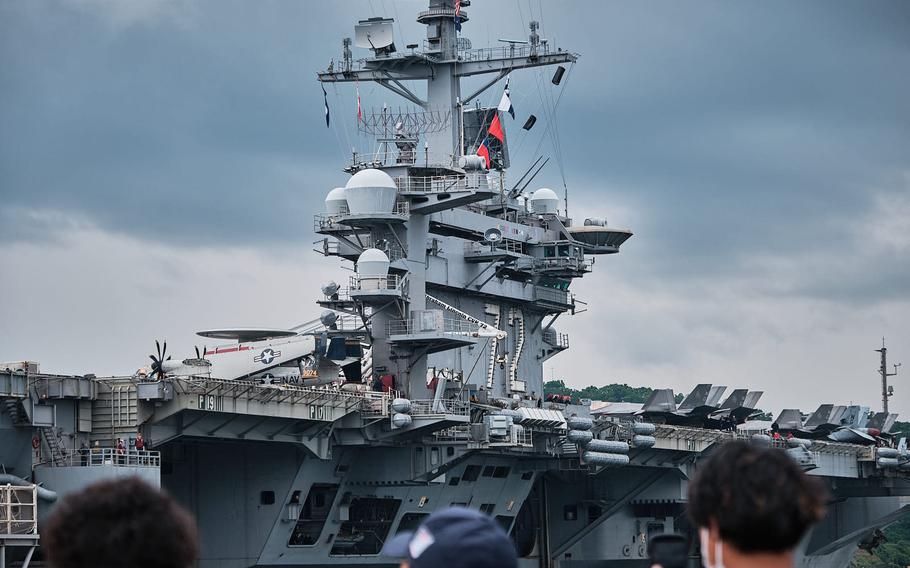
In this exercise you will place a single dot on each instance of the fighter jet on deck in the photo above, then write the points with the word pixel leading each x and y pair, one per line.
pixel 700 407
pixel 850 424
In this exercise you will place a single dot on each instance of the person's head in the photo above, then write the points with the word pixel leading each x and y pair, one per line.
pixel 751 500
pixel 454 537
pixel 124 522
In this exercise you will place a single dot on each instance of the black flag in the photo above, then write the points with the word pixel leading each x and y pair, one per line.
pixel 325 101
pixel 529 124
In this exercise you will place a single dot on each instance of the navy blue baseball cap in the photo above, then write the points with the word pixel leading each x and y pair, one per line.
pixel 454 537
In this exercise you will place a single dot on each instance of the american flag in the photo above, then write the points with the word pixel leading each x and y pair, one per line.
pixel 458 15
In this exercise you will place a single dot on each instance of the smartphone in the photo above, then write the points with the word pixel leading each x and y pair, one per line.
pixel 669 550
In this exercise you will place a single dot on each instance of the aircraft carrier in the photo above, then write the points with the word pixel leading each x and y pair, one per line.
pixel 421 384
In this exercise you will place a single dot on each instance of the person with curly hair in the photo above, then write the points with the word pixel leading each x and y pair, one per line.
pixel 122 522
pixel 752 505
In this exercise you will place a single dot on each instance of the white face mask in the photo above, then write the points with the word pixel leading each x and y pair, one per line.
pixel 703 535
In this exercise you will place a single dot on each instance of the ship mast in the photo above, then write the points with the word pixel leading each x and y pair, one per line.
pixel 442 65
pixel 887 392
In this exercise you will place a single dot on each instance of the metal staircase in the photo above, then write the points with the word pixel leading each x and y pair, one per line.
pixel 514 383
pixel 55 444
pixel 13 407
pixel 494 342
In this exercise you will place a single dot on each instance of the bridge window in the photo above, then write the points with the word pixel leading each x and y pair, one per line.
pixel 267 497
pixel 313 515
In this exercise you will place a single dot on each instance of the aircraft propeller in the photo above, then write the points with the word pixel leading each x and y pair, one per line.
pixel 205 351
pixel 157 362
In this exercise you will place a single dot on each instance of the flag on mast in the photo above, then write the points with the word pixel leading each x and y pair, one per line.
pixel 495 129
pixel 359 110
pixel 484 152
pixel 505 103
pixel 457 15
pixel 325 101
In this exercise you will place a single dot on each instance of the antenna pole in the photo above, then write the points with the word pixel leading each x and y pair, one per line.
pixel 887 391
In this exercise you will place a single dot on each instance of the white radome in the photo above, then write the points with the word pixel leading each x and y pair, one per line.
pixel 544 200
pixel 372 263
pixel 336 201
pixel 370 178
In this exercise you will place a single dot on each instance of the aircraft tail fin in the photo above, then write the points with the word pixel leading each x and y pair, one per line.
pixel 789 419
pixel 819 417
pixel 877 421
pixel 698 397
pixel 714 395
pixel 735 400
pixel 660 400
pixel 752 398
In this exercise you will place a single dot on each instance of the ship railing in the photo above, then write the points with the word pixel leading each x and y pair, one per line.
pixel 256 390
pixel 95 457
pixel 18 510
pixel 417 326
pixel 390 282
pixel 556 339
pixel 440 407
pixel 561 263
pixel 507 245
pixel 459 433
pixel 337 221
pixel 375 404
pixel 355 245
pixel 513 50
pixel 444 184
pixel 863 452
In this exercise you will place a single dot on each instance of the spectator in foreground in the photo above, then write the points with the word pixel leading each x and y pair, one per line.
pixel 752 506
pixel 454 537
pixel 125 522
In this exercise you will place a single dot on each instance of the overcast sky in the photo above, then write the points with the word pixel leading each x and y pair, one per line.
pixel 160 164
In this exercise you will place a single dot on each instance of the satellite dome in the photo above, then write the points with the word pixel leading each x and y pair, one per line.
pixel 336 202
pixel 370 178
pixel 544 200
pixel 372 263
pixel 371 191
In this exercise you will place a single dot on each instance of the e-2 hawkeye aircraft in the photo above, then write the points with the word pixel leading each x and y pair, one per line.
pixel 268 355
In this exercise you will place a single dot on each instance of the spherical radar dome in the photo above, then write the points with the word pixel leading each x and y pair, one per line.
pixel 371 191
pixel 544 200
pixel 336 201
pixel 370 178
pixel 372 263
